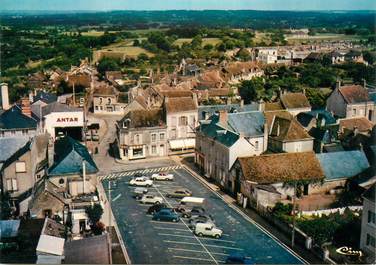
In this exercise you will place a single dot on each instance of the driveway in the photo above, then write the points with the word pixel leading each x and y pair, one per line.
pixel 149 241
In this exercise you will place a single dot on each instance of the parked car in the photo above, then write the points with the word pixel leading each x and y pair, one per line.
pixel 162 176
pixel 187 212
pixel 199 219
pixel 207 229
pixel 238 258
pixel 141 181
pixel 151 199
pixel 139 192
pixel 156 208
pixel 166 215
pixel 179 193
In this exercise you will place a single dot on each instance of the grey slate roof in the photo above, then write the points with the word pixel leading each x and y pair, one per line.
pixel 249 123
pixel 305 118
pixel 9 228
pixel 218 133
pixel 69 155
pixel 10 145
pixel 209 110
pixel 342 165
pixel 45 97
pixel 58 107
pixel 14 119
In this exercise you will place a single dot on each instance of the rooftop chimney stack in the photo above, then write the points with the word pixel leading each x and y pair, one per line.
pixel 4 96
pixel 25 107
pixel 338 84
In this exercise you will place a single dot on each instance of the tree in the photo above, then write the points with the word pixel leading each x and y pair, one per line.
pixel 369 57
pixel 108 64
pixel 243 54
pixel 136 43
pixel 94 213
pixel 252 90
pixel 196 42
pixel 6 209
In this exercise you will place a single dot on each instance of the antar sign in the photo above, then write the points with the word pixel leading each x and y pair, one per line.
pixel 67 119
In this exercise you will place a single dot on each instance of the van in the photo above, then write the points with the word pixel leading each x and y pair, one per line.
pixel 192 201
pixel 207 229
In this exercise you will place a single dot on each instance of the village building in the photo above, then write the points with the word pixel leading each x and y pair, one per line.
pixel 142 134
pixel 108 100
pixel 295 103
pixel 267 55
pixel 351 101
pixel 236 72
pixel 337 57
pixel 368 228
pixel 225 137
pixel 181 120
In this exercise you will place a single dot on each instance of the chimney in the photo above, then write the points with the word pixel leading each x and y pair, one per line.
pixel 228 101
pixel 356 130
pixel 278 129
pixel 195 99
pixel 261 105
pixel 223 115
pixel 338 84
pixel 4 96
pixel 304 91
pixel 31 96
pixel 25 107
pixel 365 83
pixel 242 103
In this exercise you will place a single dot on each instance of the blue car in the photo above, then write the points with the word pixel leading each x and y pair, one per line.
pixel 238 258
pixel 166 215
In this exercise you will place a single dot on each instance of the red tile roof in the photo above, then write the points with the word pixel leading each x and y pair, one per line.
pixel 354 94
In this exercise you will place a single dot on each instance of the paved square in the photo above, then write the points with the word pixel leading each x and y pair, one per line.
pixel 149 241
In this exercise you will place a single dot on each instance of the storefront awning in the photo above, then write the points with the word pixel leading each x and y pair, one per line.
pixel 182 144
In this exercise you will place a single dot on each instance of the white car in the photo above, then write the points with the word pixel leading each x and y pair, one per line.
pixel 151 199
pixel 207 229
pixel 162 176
pixel 141 182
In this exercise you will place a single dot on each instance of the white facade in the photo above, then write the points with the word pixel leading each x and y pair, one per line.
pixel 268 55
pixel 62 120
pixel 368 234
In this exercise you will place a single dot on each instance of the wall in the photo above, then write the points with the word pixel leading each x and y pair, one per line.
pixel 298 146
pixel 17 133
pixel 295 112
pixel 367 228
pixel 51 121
pixel 182 131
pixel 362 110
pixel 336 104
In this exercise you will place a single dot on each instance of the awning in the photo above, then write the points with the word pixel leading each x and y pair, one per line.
pixel 183 144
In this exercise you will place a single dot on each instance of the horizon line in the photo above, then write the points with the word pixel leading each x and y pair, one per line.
pixel 158 10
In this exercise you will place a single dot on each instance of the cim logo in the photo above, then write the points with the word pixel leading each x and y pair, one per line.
pixel 67 119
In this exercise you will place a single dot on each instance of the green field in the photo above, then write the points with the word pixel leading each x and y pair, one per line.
pixel 321 37
pixel 205 41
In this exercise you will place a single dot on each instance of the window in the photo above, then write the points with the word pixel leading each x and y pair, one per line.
pixel 183 121
pixel 371 217
pixel 12 185
pixel 13 132
pixel 2 133
pixel 161 136
pixel 153 149
pixel 20 167
pixel 173 134
pixel 109 101
pixel 153 137
pixel 370 241
pixel 96 108
pixel 61 181
pixel 257 145
pixel 137 138
pixel 173 121
pixel 354 112
pixel 192 120
pixel 100 100
pixel 24 132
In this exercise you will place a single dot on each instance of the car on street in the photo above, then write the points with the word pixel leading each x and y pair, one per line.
pixel 179 193
pixel 162 176
pixel 207 229
pixel 141 182
pixel 199 219
pixel 139 192
pixel 151 199
pixel 166 215
pixel 156 208
pixel 238 258
pixel 188 212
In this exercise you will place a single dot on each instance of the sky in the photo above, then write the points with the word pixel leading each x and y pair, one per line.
pixel 104 5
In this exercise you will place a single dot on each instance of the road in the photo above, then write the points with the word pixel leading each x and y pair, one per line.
pixel 149 241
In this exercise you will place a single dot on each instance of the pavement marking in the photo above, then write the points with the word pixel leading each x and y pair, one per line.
pixel 195 244
pixel 182 257
pixel 216 262
pixel 249 219
pixel 198 251
pixel 159 222
pixel 117 197
pixel 203 238
pixel 174 229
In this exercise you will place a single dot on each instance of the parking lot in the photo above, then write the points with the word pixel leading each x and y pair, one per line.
pixel 158 242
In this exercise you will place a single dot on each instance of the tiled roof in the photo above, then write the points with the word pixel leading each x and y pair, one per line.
pixel 13 118
pixel 284 167
pixel 176 93
pixel 248 123
pixel 362 123
pixel 58 107
pixel 8 146
pixel 45 97
pixel 69 155
pixel 305 118
pixel 354 94
pixel 271 106
pixel 269 115
pixel 181 104
pixel 209 110
pixel 289 130
pixel 90 250
pixel 295 101
pixel 104 90
pixel 342 165
pixel 143 118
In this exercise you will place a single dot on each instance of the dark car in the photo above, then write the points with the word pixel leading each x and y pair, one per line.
pixel 189 212
pixel 238 258
pixel 200 219
pixel 166 215
pixel 179 193
pixel 156 208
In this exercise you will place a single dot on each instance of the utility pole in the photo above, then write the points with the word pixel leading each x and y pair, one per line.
pixel 109 212
pixel 84 175
pixel 293 217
